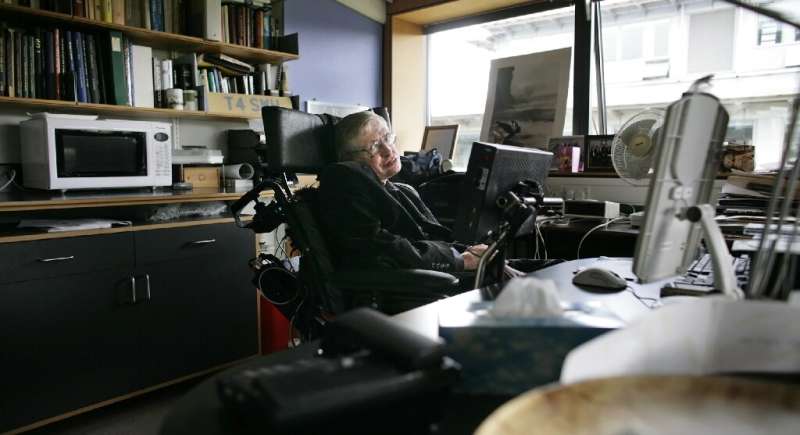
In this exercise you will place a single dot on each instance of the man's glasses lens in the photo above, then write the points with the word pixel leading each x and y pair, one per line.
pixel 388 141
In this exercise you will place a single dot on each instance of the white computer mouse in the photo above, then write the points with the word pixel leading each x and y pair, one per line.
pixel 599 280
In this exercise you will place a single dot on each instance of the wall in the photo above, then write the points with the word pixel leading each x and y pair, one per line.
pixel 409 83
pixel 340 53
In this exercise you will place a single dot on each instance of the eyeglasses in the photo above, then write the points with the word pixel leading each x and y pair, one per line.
pixel 387 141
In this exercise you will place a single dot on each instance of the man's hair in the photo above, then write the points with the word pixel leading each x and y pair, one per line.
pixel 347 132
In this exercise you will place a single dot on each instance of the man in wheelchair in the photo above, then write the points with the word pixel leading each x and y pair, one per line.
pixel 372 222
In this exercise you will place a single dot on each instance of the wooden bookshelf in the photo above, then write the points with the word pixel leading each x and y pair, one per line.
pixel 114 110
pixel 153 38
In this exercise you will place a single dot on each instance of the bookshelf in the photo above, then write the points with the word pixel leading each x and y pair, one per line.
pixel 153 38
pixel 141 36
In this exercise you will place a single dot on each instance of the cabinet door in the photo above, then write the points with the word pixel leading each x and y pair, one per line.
pixel 200 307
pixel 65 343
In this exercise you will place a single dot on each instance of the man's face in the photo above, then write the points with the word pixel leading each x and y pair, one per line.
pixel 379 149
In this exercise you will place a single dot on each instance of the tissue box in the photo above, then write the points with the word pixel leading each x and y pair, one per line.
pixel 508 356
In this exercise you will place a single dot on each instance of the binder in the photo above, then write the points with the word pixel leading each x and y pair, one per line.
pixel 142 61
pixel 117 68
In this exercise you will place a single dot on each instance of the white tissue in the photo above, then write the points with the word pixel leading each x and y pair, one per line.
pixel 528 297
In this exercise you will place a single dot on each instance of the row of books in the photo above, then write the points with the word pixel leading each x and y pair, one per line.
pixel 250 23
pixel 271 80
pixel 252 26
pixel 162 15
pixel 60 64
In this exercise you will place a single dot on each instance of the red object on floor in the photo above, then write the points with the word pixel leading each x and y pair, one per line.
pixel 274 329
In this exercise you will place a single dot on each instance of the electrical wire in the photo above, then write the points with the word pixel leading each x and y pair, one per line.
pixel 11 174
pixel 654 302
pixel 595 228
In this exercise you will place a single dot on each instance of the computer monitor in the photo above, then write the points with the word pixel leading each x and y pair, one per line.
pixel 689 147
pixel 492 171
pixel 441 137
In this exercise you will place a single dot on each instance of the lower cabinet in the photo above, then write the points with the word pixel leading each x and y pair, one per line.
pixel 88 319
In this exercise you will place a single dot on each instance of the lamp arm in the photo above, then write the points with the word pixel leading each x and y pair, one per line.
pixel 721 259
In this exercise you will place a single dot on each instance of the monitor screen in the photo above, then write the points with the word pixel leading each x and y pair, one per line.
pixel 492 171
pixel 686 163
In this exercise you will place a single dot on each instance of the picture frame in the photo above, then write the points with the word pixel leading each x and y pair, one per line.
pixel 527 98
pixel 597 152
pixel 564 154
pixel 441 137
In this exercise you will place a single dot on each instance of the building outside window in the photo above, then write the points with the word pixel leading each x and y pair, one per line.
pixel 654 50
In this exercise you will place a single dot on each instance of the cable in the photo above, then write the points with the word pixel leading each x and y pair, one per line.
pixel 642 299
pixel 593 229
pixel 12 174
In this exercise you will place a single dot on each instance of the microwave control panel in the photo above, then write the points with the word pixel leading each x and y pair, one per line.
pixel 162 150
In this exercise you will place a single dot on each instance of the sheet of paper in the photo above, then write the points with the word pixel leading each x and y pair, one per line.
pixel 56 225
pixel 700 336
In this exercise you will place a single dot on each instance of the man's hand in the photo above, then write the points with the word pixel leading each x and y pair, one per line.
pixel 472 256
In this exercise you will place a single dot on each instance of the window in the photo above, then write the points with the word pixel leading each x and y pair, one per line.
pixel 691 38
pixel 769 32
pixel 459 64
pixel 631 43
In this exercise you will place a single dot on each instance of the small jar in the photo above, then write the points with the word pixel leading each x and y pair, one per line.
pixel 175 98
pixel 190 99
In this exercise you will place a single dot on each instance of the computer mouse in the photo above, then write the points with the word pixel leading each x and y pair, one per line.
pixel 599 280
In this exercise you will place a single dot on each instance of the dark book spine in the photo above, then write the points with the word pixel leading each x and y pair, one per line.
pixel 19 50
pixel 94 77
pixel 102 78
pixel 2 62
pixel 30 70
pixel 79 8
pixel 70 78
pixel 38 65
pixel 49 66
pixel 58 63
pixel 78 65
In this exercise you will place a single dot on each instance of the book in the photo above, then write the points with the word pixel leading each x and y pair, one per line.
pixel 142 61
pixel 79 8
pixel 213 20
pixel 58 63
pixel 92 66
pixel 80 67
pixel 126 56
pixel 118 11
pixel 11 86
pixel 116 63
pixel 230 63
pixel 133 13
pixel 49 66
pixel 38 65
pixel 100 54
pixel 108 11
pixel 2 61
pixel 158 87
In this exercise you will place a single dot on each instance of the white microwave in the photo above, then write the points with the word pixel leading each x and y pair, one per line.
pixel 68 153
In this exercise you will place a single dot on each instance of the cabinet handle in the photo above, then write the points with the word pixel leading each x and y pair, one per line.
pixel 50 260
pixel 147 284
pixel 133 289
pixel 203 242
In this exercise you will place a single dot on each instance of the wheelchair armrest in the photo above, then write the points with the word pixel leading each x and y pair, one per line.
pixel 404 281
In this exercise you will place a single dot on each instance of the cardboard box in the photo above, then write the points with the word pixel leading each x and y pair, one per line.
pixel 199 176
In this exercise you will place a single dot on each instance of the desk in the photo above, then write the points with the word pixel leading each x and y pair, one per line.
pixel 200 412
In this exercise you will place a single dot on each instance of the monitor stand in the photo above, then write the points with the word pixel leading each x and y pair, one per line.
pixel 721 259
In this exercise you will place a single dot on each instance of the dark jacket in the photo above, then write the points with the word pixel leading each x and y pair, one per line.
pixel 368 224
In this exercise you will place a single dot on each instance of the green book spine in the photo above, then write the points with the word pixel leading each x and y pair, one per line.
pixel 117 68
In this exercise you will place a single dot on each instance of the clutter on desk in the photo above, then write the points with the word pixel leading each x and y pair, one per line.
pixel 499 348
pixel 58 225
pixel 698 336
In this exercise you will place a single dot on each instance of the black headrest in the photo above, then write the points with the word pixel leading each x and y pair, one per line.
pixel 298 141
pixel 301 142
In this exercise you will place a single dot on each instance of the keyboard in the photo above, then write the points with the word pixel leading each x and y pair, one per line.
pixel 699 277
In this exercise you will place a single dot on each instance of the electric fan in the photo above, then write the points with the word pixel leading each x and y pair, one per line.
pixel 634 147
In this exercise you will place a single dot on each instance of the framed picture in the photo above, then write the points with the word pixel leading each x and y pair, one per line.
pixel 441 137
pixel 527 99
pixel 598 153
pixel 567 152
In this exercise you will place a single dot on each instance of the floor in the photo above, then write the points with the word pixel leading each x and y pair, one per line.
pixel 140 415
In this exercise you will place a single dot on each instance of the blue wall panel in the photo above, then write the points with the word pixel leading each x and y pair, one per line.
pixel 340 53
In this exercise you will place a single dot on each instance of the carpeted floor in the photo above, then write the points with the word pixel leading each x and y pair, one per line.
pixel 140 415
